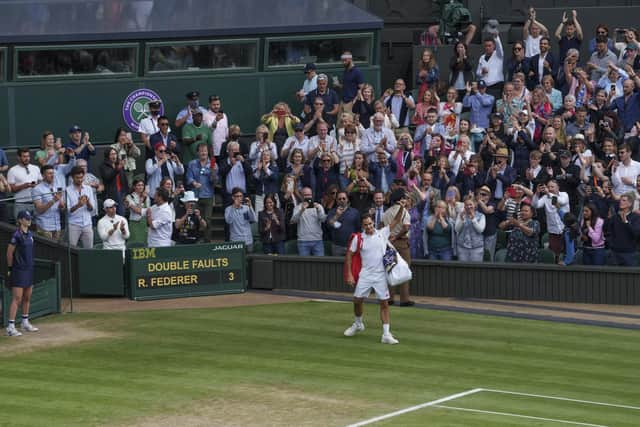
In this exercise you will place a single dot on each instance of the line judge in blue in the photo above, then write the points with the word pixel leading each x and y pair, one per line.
pixel 20 274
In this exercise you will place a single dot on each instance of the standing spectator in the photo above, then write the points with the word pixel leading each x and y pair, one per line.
pixel 601 59
pixel 280 123
pixel 480 102
pixel 49 204
pixel 439 234
pixel 201 176
pixel 449 111
pixel 487 207
pixel 20 267
pixel 342 221
pixel 426 132
pixel 327 173
pixel 331 104
pixel 532 33
pixel 363 107
pixel 114 178
pixel 160 219
pixel 471 176
pixel 469 227
pixel 310 82
pixel 149 125
pixel 186 114
pixel 518 63
pixel 541 111
pixel 80 202
pixel 89 179
pixel 460 70
pixel 555 204
pixel 352 83
pixel 628 105
pixel 382 171
pixel 624 171
pixel 298 141
pixel 113 229
pixel 316 117
pixel 567 175
pixel 190 226
pixel 399 237
pixel 164 164
pixel 399 103
pixel 377 136
pixel 428 73
pixel 165 137
pixel 137 202
pixel 459 157
pixel 272 227
pixel 490 65
pixel 372 245
pixel 592 236
pixel 218 121
pixel 51 150
pixel 239 216
pixel 542 64
pixel 572 37
pixel 554 95
pixel 416 246
pixel 523 243
pixel 127 151
pixel 509 105
pixel 266 179
pixel 500 174
pixel 4 185
pixel 348 149
pixel 309 216
pixel 428 101
pixel 623 230
pixel 193 134
pixel 262 143
pixel 601 31
pixel 360 197
pixel 22 178
pixel 322 144
pixel 80 144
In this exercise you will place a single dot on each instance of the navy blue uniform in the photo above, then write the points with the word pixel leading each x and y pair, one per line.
pixel 22 272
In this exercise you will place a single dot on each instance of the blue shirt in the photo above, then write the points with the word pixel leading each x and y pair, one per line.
pixel 628 111
pixel 351 80
pixel 23 255
pixel 48 220
pixel 344 226
pixel 3 158
pixel 239 220
pixel 202 174
pixel 481 106
pixel 81 216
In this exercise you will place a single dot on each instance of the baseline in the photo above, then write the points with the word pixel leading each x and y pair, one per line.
pixel 566 399
pixel 508 414
pixel 415 408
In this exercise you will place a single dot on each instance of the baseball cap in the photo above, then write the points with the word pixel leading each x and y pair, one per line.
pixel 193 94
pixel 482 84
pixel 631 46
pixel 298 126
pixel 156 103
pixel 24 215
pixel 109 203
pixel 75 128
pixel 578 136
pixel 310 66
pixel 564 153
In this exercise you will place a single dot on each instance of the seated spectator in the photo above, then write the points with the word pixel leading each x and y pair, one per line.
pixel 623 231
pixel 160 220
pixel 137 202
pixel 265 176
pixel 439 234
pixel 113 229
pixel 469 227
pixel 523 242
pixel 114 178
pixel 271 225
pixel 80 202
pixel 190 226
pixel 127 151
pixel 553 94
pixel 234 138
pixel 612 81
pixel 49 203
pixel 309 216
pixel 346 119
pixel 298 141
pixel 592 236
pixel 342 221
pixel 239 216
pixel 164 164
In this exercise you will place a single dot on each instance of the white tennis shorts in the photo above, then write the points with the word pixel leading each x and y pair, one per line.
pixel 364 287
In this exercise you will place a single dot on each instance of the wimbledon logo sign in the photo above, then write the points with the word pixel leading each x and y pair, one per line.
pixel 136 107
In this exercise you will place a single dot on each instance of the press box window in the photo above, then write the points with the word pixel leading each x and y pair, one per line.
pixel 320 51
pixel 195 57
pixel 76 61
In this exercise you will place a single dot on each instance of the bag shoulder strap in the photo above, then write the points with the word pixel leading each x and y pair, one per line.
pixel 358 237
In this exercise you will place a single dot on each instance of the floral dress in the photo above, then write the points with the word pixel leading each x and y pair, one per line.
pixel 523 248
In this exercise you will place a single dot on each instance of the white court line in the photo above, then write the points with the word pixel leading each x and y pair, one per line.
pixel 614 405
pixel 507 414
pixel 415 408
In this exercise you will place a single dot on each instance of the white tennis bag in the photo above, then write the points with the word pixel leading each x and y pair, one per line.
pixel 399 272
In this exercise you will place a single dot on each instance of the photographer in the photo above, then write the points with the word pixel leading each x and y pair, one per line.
pixel 309 216
pixel 272 227
pixel 113 177
pixel 127 151
pixel 239 217
pixel 190 226
pixel 261 144
pixel 555 204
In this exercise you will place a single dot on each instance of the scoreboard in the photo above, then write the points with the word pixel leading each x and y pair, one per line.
pixel 186 271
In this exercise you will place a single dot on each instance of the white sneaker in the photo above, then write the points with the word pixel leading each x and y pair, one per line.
pixel 28 327
pixel 13 332
pixel 388 339
pixel 354 329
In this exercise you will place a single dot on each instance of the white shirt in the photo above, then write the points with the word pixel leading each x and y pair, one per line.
pixel 632 171
pixel 117 239
pixel 160 234
pixel 329 144
pixel 371 138
pixel 371 253
pixel 292 143
pixel 219 130
pixel 310 84
pixel 456 162
pixel 554 222
pixel 255 152
pixel 493 65
pixel 149 126
pixel 20 174
pixel 532 46
pixel 541 60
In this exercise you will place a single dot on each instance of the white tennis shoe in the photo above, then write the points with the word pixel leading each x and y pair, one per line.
pixel 13 332
pixel 354 329
pixel 28 327
pixel 388 339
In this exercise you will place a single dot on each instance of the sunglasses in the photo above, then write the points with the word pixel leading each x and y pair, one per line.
pixel 163 124
pixel 349 132
pixel 162 151
pixel 517 48
pixel 318 103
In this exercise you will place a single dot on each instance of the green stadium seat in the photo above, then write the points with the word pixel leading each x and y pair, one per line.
pixel 501 255
pixel 544 240
pixel 291 247
pixel 546 257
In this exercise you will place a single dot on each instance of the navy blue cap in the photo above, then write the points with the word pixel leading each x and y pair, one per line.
pixel 310 66
pixel 24 215
pixel 75 128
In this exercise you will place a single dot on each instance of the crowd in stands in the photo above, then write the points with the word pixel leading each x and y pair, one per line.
pixel 523 156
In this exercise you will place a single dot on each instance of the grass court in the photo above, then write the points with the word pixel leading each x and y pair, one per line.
pixel 288 364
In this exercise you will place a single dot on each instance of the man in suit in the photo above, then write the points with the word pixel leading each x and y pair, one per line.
pixel 541 64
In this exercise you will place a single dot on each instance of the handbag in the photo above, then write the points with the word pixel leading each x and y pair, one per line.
pixel 356 259
pixel 398 271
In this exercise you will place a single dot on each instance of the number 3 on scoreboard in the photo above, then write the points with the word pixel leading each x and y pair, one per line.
pixel 231 276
